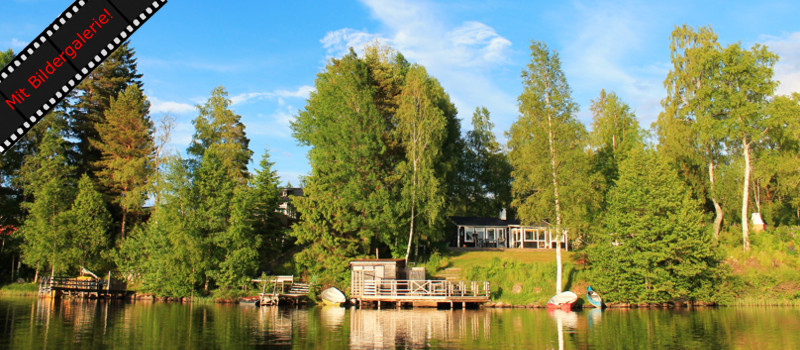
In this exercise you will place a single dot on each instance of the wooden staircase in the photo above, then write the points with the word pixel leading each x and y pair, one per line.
pixel 450 274
pixel 299 289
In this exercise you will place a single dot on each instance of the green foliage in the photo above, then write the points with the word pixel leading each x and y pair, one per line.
pixel 534 279
pixel 46 180
pixel 94 97
pixel 125 140
pixel 370 121
pixel 264 205
pixel 551 174
pixel 485 171
pixel 90 222
pixel 657 248
pixel 615 132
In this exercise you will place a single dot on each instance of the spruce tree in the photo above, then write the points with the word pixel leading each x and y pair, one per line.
pixel 46 181
pixel 486 172
pixel 89 224
pixel 349 204
pixel 265 202
pixel 657 248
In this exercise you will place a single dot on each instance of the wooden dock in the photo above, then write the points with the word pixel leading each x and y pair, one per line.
pixel 284 290
pixel 81 288
pixel 424 293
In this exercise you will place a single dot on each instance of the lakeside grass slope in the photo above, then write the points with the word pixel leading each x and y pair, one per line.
pixel 517 276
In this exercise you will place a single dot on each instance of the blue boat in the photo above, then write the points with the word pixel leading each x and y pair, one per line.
pixel 594 298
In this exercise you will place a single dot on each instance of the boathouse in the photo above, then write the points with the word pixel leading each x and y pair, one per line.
pixel 376 281
pixel 488 232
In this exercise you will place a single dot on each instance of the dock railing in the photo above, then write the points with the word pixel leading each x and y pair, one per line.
pixel 421 289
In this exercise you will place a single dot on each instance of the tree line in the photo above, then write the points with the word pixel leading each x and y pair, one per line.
pixel 389 165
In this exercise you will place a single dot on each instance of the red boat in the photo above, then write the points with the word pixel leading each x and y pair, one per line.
pixel 563 301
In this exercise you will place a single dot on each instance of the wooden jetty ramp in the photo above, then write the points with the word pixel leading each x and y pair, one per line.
pixel 284 290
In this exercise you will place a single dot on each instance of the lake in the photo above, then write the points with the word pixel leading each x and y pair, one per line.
pixel 30 323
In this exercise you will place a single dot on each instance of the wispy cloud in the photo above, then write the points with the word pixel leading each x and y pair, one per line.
pixel 159 106
pixel 17 44
pixel 787 70
pixel 460 55
pixel 596 57
pixel 300 93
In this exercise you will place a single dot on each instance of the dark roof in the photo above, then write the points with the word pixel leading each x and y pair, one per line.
pixel 481 221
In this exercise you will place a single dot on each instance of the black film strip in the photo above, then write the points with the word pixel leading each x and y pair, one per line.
pixel 54 63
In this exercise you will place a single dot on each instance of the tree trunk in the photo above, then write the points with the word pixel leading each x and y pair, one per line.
pixel 717 207
pixel 746 195
pixel 411 231
pixel 122 234
pixel 556 201
pixel 36 275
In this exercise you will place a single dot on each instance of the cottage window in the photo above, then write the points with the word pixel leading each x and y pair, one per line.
pixel 529 235
pixel 490 234
pixel 468 234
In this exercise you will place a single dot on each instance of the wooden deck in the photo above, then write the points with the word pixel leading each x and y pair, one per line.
pixel 284 290
pixel 82 288
pixel 430 293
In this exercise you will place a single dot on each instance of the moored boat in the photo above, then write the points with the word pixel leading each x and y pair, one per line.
pixel 249 301
pixel 563 301
pixel 594 298
pixel 333 296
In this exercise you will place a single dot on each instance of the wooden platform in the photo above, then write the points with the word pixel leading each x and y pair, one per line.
pixel 284 290
pixel 420 293
pixel 81 288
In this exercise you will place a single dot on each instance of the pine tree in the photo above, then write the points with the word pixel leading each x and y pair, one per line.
pixel 94 97
pixel 125 140
pixel 90 222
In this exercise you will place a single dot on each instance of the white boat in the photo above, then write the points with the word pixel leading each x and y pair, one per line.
pixel 333 296
pixel 563 300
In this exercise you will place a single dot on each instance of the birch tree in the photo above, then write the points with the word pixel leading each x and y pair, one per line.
pixel 547 150
pixel 421 128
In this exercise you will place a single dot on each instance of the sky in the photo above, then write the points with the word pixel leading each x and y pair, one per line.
pixel 267 53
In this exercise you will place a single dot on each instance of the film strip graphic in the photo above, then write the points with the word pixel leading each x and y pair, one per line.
pixel 67 51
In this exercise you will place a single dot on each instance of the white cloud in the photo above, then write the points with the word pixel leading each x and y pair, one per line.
pixel 17 44
pixel 302 92
pixel 339 42
pixel 159 106
pixel 460 56
pixel 598 56
pixel 787 70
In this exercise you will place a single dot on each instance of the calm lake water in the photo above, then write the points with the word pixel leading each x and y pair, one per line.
pixel 29 323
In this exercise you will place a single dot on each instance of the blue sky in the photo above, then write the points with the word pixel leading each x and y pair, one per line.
pixel 267 53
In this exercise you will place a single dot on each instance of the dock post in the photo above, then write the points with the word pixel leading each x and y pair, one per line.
pixel 379 304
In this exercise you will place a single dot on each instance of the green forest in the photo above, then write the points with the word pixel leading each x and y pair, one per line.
pixel 658 213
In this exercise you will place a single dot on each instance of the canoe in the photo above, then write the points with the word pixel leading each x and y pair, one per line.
pixel 333 296
pixel 249 301
pixel 563 301
pixel 594 298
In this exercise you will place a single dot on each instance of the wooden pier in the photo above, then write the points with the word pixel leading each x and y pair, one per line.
pixel 284 290
pixel 81 288
pixel 424 293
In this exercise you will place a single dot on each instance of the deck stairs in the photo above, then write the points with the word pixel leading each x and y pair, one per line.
pixel 450 274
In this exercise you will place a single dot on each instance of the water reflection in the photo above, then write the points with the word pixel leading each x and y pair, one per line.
pixel 27 323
